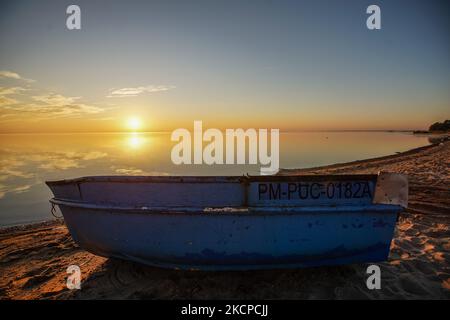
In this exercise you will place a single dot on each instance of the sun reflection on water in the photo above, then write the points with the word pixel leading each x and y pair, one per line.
pixel 135 140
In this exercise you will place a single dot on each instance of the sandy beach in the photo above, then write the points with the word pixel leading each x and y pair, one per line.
pixel 34 258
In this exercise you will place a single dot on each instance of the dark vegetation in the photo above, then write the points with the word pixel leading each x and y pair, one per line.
pixel 440 126
pixel 437 127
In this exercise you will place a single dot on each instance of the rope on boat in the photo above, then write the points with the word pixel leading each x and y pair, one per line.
pixel 53 212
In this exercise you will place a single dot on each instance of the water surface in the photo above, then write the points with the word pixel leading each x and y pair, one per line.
pixel 27 160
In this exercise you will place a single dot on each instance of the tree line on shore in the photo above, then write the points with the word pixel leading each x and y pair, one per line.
pixel 437 127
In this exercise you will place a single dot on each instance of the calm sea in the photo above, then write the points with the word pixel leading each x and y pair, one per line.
pixel 27 160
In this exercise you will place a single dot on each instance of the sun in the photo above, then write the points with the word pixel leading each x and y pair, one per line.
pixel 134 123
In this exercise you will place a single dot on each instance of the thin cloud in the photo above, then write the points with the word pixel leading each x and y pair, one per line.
pixel 135 91
pixel 15 105
pixel 103 119
pixel 13 75
pixel 55 99
pixel 17 169
pixel 60 105
pixel 5 101
pixel 21 189
pixel 48 106
pixel 5 92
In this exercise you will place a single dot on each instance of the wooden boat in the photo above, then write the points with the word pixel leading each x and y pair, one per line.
pixel 234 223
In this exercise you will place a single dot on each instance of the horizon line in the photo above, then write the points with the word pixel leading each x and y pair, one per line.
pixel 281 131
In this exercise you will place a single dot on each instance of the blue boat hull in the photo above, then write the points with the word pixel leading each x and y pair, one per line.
pixel 241 240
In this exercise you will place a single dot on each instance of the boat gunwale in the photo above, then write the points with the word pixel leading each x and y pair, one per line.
pixel 213 179
pixel 238 211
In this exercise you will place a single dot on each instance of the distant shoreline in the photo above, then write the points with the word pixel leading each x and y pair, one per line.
pixel 285 171
pixel 170 131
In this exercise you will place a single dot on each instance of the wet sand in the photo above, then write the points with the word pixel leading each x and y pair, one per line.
pixel 33 259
